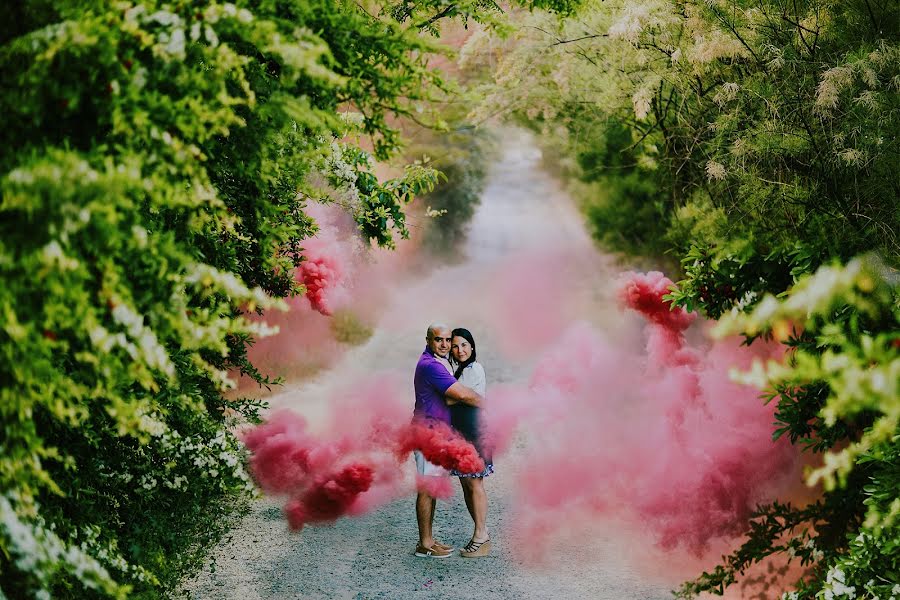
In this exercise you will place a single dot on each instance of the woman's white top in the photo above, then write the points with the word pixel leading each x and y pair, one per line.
pixel 473 377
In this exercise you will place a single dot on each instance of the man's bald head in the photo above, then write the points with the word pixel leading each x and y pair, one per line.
pixel 437 336
pixel 437 325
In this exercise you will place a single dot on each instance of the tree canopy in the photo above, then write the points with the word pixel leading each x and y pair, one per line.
pixel 158 161
pixel 756 142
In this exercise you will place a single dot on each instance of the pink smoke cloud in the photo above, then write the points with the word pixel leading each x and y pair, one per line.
pixel 660 437
pixel 436 487
pixel 328 264
pixel 440 445
pixel 340 275
pixel 329 496
pixel 323 272
pixel 356 463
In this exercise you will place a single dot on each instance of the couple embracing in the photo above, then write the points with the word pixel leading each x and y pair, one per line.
pixel 450 387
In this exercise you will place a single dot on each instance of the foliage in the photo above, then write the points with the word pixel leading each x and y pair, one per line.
pixel 840 384
pixel 782 116
pixel 348 328
pixel 157 160
pixel 756 142
pixel 461 156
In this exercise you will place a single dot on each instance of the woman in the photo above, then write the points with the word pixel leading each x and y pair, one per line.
pixel 465 419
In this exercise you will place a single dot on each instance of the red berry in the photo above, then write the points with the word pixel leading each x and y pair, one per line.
pixel 49 335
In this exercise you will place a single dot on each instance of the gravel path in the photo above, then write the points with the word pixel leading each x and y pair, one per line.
pixel 523 210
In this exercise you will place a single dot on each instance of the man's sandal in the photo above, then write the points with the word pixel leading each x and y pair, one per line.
pixel 443 546
pixel 476 549
pixel 433 552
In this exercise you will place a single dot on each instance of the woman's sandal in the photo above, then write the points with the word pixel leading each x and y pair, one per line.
pixel 476 549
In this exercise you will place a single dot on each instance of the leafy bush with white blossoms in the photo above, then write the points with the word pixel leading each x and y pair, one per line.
pixel 753 142
pixel 156 163
pixel 838 393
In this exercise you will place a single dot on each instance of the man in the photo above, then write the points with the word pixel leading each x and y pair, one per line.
pixel 433 382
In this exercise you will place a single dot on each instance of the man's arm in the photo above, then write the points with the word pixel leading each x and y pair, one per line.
pixel 460 393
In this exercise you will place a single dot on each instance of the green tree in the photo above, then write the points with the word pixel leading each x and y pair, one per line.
pixel 157 161
pixel 756 141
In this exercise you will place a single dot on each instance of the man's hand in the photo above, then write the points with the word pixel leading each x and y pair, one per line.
pixel 460 393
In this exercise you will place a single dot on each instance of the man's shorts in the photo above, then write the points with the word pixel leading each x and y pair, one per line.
pixel 428 469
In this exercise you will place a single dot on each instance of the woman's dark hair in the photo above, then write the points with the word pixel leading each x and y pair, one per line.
pixel 464 333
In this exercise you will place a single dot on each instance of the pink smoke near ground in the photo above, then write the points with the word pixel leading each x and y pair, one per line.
pixel 660 437
pixel 357 462
pixel 436 487
pixel 329 496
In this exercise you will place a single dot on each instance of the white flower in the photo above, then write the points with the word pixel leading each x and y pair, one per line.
pixel 834 81
pixel 140 236
pixel 715 170
pixel 210 34
pixel 867 99
pixel 52 255
pixel 853 157
pixel 726 93
pixel 165 17
pixel 708 48
pixel 632 22
pixel 140 78
pixel 641 100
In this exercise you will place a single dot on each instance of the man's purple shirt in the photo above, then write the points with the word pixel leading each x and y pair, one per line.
pixel 431 382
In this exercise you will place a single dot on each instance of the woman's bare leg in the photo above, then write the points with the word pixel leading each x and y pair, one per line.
pixel 467 494
pixel 479 505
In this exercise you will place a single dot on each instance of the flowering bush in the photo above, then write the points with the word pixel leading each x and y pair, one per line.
pixel 755 142
pixel 839 394
pixel 157 160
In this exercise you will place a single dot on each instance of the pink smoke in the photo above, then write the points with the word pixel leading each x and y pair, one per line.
pixel 525 301
pixel 329 496
pixel 340 275
pixel 660 437
pixel 436 487
pixel 357 462
pixel 440 445
pixel 322 272
pixel 280 452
